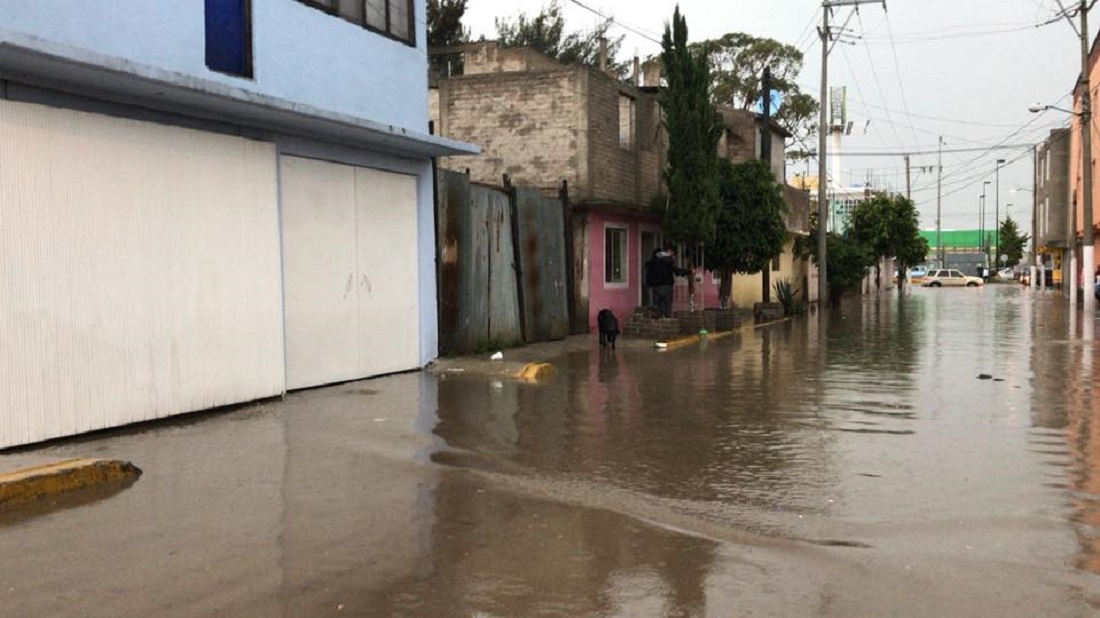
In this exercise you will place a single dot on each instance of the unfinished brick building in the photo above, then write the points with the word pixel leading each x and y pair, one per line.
pixel 542 123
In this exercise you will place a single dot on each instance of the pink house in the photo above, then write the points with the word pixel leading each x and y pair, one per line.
pixel 541 123
pixel 618 246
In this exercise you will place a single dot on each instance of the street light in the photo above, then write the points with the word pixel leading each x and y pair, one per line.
pixel 1039 107
pixel 1087 249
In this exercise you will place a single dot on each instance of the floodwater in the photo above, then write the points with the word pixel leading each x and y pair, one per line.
pixel 851 466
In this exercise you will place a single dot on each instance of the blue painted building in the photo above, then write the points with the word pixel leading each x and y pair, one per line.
pixel 207 202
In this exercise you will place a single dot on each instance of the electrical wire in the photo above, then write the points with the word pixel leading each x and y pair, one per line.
pixel 649 37
pixel 859 90
pixel 878 84
pixel 969 123
pixel 901 86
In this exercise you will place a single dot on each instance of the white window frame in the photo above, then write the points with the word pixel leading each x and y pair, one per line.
pixel 624 256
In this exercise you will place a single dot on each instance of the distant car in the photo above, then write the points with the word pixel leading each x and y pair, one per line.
pixel 917 274
pixel 1007 274
pixel 950 277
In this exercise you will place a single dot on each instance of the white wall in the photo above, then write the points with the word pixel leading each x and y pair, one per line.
pixel 300 54
pixel 139 272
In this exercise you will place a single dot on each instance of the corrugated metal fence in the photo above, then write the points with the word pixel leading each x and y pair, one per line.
pixel 502 266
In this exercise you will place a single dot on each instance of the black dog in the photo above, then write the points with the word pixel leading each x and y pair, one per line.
pixel 609 327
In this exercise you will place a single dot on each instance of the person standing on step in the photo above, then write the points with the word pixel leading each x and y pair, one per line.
pixel 660 275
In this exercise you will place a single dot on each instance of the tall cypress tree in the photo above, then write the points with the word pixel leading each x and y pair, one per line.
pixel 694 129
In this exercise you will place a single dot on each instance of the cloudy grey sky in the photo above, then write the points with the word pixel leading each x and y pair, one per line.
pixel 963 69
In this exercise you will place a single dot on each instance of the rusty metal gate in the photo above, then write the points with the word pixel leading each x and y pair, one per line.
pixel 492 290
pixel 540 226
pixel 479 304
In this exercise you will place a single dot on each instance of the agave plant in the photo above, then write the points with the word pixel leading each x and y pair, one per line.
pixel 788 297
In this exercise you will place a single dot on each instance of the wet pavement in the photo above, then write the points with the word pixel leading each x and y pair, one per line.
pixel 852 466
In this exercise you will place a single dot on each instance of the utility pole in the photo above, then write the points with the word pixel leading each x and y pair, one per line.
pixel 822 153
pixel 1087 251
pixel 908 191
pixel 822 183
pixel 997 217
pixel 939 204
pixel 766 156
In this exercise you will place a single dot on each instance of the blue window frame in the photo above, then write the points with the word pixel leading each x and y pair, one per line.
pixel 229 37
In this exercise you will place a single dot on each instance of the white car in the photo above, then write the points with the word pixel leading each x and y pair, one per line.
pixel 950 277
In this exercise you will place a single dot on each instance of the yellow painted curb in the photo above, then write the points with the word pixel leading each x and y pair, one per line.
pixel 779 321
pixel 536 371
pixel 30 484
pixel 672 344
pixel 691 339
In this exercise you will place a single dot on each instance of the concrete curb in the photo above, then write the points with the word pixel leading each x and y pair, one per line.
pixel 680 342
pixel 534 372
pixel 41 482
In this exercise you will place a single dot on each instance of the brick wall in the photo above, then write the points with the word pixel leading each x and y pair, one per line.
pixel 527 124
pixel 620 174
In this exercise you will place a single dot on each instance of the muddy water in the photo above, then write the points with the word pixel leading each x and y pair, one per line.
pixel 855 466
pixel 936 456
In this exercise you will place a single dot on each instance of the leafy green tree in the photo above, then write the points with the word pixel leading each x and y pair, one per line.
pixel 1012 242
pixel 750 227
pixel 738 61
pixel 889 226
pixel 694 129
pixel 546 33
pixel 445 29
pixel 849 260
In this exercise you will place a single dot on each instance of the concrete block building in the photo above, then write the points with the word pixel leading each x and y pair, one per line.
pixel 1052 212
pixel 542 123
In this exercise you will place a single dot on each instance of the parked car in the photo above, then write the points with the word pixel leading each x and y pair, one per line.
pixel 950 277
pixel 917 274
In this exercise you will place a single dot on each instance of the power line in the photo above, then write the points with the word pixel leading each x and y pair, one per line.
pixel 844 54
pixel 878 84
pixel 948 120
pixel 902 153
pixel 648 37
pixel 901 86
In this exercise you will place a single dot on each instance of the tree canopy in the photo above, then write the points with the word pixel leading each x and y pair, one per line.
pixel 1012 242
pixel 849 259
pixel 445 29
pixel 750 227
pixel 694 129
pixel 890 227
pixel 546 33
pixel 738 61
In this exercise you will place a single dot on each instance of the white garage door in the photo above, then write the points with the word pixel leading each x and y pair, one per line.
pixel 350 263
pixel 139 272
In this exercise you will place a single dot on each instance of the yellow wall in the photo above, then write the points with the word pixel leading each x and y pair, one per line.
pixel 747 288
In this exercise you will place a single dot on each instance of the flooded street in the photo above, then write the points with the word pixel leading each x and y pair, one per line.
pixel 934 456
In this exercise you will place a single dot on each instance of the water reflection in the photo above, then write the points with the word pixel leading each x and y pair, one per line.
pixel 501 554
pixel 1065 411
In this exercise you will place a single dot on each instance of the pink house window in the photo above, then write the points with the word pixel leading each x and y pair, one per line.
pixel 614 251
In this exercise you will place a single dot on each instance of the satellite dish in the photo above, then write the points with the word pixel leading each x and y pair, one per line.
pixel 776 102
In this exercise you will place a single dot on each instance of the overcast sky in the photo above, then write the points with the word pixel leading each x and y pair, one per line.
pixel 963 69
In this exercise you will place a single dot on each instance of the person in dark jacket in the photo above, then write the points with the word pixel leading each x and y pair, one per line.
pixel 660 274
